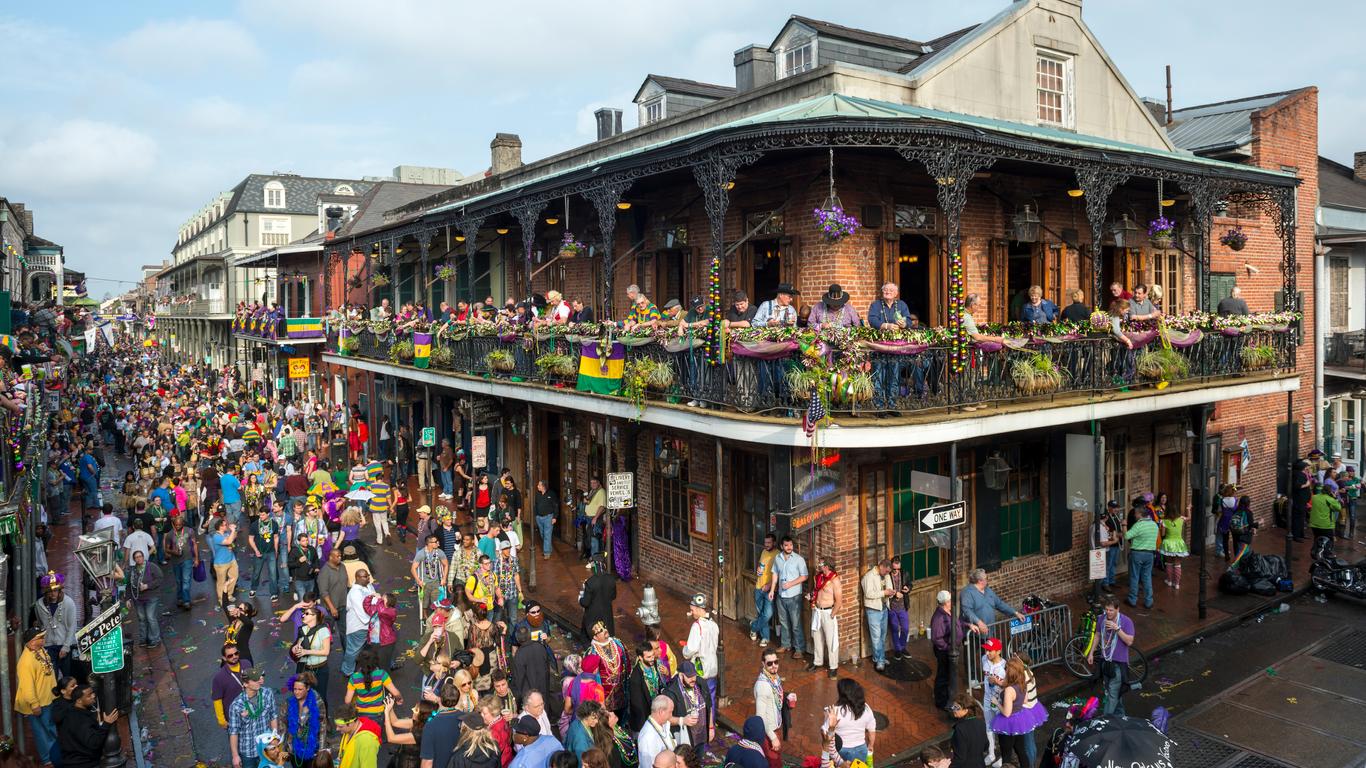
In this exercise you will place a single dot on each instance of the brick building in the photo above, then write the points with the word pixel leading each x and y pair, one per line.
pixel 1049 183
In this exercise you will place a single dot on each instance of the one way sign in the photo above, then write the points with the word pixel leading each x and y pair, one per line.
pixel 943 516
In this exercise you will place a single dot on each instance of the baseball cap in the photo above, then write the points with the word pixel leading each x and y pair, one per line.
pixel 991 644
pixel 699 600
pixel 687 668
pixel 1112 504
pixel 527 726
pixel 251 674
pixel 475 721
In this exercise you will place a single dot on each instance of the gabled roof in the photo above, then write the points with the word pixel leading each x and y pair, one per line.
pixel 383 197
pixel 1222 126
pixel 689 87
pixel 852 34
pixel 1339 187
pixel 301 193
pixel 936 47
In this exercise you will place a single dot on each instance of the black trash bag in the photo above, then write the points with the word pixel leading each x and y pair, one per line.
pixel 1275 564
pixel 1233 583
pixel 1263 587
pixel 1255 567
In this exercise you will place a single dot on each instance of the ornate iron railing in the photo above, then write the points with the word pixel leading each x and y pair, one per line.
pixel 899 382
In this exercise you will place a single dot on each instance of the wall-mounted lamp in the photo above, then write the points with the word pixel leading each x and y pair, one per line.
pixel 1075 193
pixel 459 238
pixel 501 230
pixel 552 220
pixel 623 206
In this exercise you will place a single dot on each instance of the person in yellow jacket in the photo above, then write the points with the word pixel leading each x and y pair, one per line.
pixel 359 747
pixel 34 681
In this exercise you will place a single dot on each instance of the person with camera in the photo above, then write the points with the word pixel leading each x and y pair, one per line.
pixel 1115 636
pixel 877 592
pixel 899 610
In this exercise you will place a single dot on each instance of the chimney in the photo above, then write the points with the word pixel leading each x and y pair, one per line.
pixel 1359 166
pixel 609 122
pixel 1157 109
pixel 753 68
pixel 506 151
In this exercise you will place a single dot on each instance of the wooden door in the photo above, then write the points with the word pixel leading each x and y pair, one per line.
pixel 749 505
pixel 1171 469
pixel 998 282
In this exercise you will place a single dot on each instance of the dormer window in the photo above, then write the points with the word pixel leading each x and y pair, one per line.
pixel 275 194
pixel 1053 89
pixel 344 189
pixel 798 57
pixel 652 110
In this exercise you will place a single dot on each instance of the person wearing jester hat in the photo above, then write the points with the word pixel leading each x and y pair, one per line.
pixel 55 612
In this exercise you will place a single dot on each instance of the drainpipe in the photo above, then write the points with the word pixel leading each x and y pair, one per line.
pixel 1320 323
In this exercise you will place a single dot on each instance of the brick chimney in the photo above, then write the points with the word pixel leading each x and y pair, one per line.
pixel 609 122
pixel 1359 166
pixel 754 67
pixel 506 151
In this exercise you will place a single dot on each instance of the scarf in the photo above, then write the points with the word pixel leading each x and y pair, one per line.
pixel 821 580
pixel 650 674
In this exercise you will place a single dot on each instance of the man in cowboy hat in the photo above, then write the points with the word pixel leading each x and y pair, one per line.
pixel 833 310
pixel 56 614
pixel 778 311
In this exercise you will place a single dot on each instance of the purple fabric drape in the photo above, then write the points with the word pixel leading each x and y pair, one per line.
pixel 896 347
pixel 764 350
pixel 621 548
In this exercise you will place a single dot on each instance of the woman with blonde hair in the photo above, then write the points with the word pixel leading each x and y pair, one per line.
pixel 477 746
pixel 464 682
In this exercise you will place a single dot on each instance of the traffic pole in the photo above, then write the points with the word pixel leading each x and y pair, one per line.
pixel 953 571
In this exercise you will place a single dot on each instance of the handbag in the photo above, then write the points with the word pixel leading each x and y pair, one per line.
pixel 201 571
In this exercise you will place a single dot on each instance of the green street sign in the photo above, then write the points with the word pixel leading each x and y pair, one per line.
pixel 101 641
pixel 428 437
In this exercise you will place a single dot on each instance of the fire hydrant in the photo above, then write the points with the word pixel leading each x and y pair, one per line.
pixel 648 612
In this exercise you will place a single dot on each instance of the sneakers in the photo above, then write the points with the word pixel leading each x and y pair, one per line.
pixel 880 667
pixel 251 593
pixel 753 636
pixel 763 643
pixel 832 674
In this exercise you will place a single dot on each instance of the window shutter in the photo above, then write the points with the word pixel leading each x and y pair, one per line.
pixel 986 505
pixel 998 294
pixel 1059 515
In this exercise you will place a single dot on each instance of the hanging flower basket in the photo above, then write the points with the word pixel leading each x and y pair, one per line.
pixel 571 248
pixel 355 282
pixel 1161 232
pixel 445 271
pixel 1234 239
pixel 834 224
pixel 501 361
pixel 379 280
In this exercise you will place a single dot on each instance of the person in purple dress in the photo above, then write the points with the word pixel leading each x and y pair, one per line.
pixel 1014 722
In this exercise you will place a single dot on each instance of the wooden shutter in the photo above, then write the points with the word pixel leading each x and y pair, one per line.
pixel 998 289
pixel 986 523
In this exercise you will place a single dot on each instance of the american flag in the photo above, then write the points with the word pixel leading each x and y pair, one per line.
pixel 815 414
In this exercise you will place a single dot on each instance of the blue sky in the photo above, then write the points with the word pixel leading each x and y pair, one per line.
pixel 120 120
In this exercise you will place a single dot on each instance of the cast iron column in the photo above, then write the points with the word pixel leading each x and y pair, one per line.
pixel 1097 184
pixel 604 199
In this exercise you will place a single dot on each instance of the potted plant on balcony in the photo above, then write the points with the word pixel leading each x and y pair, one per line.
pixel 571 248
pixel 1036 375
pixel 1162 365
pixel 645 374
pixel 443 357
pixel 1258 357
pixel 1161 232
pixel 1235 239
pixel 501 361
pixel 557 364
pixel 401 352
pixel 379 280
pixel 854 387
pixel 833 223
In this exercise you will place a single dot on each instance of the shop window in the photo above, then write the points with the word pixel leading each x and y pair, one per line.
pixel 919 557
pixel 670 494
pixel 1021 511
pixel 1348 442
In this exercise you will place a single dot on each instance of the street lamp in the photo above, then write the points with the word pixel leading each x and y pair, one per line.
pixel 96 552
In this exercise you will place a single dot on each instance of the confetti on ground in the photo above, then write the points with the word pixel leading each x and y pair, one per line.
pixel 1292 699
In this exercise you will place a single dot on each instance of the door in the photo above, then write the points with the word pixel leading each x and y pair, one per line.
pixel 920 558
pixel 749 500
pixel 917 275
pixel 998 281
pixel 765 269
pixel 1170 478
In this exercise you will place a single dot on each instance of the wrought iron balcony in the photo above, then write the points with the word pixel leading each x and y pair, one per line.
pixel 1345 351
pixel 865 377
pixel 267 328
pixel 193 308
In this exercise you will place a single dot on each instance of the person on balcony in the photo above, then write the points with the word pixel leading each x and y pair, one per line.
pixel 1232 304
pixel 888 313
pixel 741 313
pixel 382 312
pixel 1037 309
pixel 971 302
pixel 580 313
pixel 833 310
pixel 1117 292
pixel 1141 307
pixel 643 313
pixel 1077 311
pixel 557 311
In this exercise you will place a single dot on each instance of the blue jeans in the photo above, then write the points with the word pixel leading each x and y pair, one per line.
pixel 184 575
pixel 1141 578
pixel 232 511
pixel 447 481
pixel 303 587
pixel 354 642
pixel 1031 747
pixel 92 493
pixel 1112 683
pixel 545 524
pixel 45 733
pixel 877 632
pixel 851 754
pixel 149 612
pixel 886 383
pixel 1111 559
pixel 763 608
pixel 790 630
pixel 266 562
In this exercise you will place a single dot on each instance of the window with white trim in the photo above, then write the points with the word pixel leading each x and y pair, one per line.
pixel 652 110
pixel 1053 89
pixel 798 57
pixel 274 230
pixel 275 194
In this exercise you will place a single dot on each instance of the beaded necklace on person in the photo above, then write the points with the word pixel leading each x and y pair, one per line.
pixel 1109 641
pixel 253 712
pixel 611 660
pixel 650 672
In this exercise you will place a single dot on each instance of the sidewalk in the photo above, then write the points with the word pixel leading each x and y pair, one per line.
pixel 907 720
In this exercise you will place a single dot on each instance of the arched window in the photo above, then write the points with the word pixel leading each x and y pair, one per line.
pixel 275 194
pixel 344 189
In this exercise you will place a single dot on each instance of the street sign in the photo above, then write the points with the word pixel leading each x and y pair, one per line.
pixel 428 438
pixel 1021 626
pixel 479 447
pixel 621 487
pixel 942 516
pixel 101 641
pixel 298 367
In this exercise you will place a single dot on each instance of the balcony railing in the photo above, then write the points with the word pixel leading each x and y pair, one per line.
pixel 193 308
pixel 864 377
pixel 1345 350
pixel 279 329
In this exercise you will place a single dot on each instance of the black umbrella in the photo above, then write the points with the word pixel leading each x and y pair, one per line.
pixel 1113 741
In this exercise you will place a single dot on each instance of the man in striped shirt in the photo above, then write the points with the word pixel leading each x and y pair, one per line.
pixel 379 508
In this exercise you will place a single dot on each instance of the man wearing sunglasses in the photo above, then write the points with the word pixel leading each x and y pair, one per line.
pixel 770 702
pixel 227 682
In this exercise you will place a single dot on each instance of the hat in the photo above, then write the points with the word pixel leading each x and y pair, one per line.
pixel 991 644
pixel 835 297
pixel 424 510
pixel 786 288
pixel 597 627
pixel 697 302
pixel 51 580
pixel 699 600
pixel 264 740
pixel 251 673
pixel 1315 452
pixel 687 668
pixel 1337 455
pixel 444 604
pixel 1112 504
pixel 460 452
pixel 33 632
pixel 527 726
pixel 475 721
pixel 672 304
pixel 943 596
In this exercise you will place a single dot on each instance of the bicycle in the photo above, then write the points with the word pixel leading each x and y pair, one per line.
pixel 1083 644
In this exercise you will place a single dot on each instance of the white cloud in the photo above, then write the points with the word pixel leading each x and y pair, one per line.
pixel 187 47
pixel 215 114
pixel 79 157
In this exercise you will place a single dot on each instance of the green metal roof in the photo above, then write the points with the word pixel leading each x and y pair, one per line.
pixel 839 106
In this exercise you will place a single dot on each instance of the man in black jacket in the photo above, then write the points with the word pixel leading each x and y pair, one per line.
pixel 533 665
pixel 84 731
pixel 598 595
pixel 646 681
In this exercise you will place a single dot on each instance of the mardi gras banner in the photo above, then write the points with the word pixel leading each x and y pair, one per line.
pixel 598 374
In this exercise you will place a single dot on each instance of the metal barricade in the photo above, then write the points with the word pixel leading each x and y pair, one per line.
pixel 1042 636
